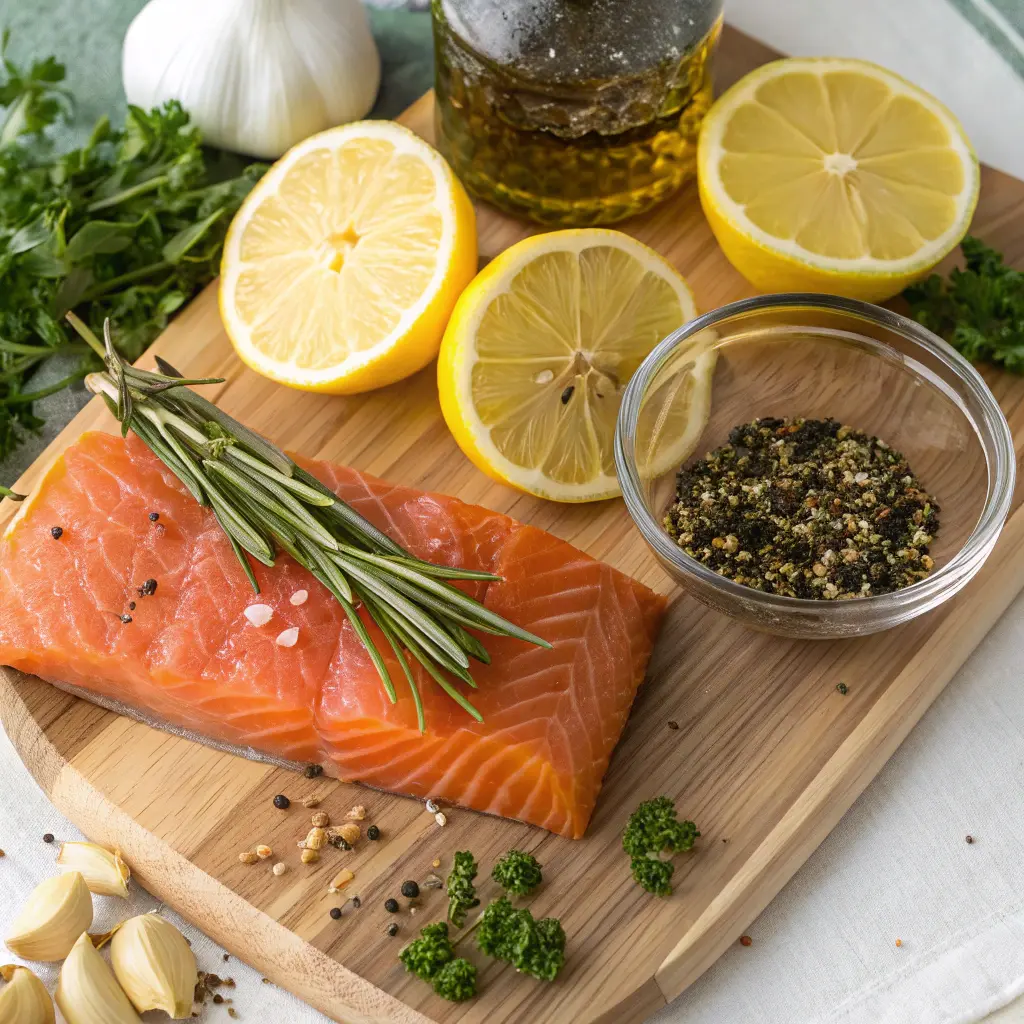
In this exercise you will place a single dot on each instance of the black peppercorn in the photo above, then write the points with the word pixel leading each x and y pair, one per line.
pixel 356 902
pixel 339 843
pixel 843 688
pixel 312 771
pixel 154 516
pixel 673 725
pixel 48 838
pixel 148 589
pixel 392 929
pixel 131 606
pixel 373 832
pixel 281 802
pixel 126 618
pixel 410 890
pixel 56 532
pixel 335 912
pixel 970 839
pixel 391 906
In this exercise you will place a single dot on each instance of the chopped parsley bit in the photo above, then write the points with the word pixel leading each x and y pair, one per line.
pixel 461 890
pixel 426 955
pixel 532 947
pixel 654 830
pixel 517 873
pixel 843 688
pixel 456 981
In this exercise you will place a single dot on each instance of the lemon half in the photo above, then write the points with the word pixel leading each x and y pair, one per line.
pixel 344 262
pixel 834 175
pixel 540 348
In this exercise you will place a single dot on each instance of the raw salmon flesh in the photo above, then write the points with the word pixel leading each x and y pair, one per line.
pixel 190 658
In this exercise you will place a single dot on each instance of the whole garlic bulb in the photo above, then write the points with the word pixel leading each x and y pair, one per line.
pixel 257 76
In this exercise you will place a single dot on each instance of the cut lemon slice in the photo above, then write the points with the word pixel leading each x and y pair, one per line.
pixel 834 175
pixel 540 348
pixel 343 264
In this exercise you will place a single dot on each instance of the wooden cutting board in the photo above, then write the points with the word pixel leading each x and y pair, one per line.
pixel 766 758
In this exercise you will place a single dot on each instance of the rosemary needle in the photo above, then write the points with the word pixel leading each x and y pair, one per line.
pixel 264 502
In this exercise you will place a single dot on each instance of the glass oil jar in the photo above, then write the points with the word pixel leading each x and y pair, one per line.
pixel 573 112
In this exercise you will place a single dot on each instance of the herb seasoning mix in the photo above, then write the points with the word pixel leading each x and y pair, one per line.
pixel 807 509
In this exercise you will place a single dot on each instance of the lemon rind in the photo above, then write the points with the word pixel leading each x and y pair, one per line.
pixel 710 152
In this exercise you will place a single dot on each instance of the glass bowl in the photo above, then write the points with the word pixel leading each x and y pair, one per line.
pixel 819 356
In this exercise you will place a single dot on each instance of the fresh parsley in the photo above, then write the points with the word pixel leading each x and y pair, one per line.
pixel 461 888
pixel 129 226
pixel 653 834
pixel 517 873
pixel 979 310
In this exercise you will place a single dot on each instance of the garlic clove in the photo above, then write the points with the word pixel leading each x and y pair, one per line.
pixel 87 993
pixel 154 965
pixel 103 870
pixel 55 914
pixel 24 999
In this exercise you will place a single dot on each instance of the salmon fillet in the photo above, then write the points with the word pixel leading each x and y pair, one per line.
pixel 190 658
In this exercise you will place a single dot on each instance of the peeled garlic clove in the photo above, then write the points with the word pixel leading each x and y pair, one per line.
pixel 24 999
pixel 57 911
pixel 103 870
pixel 154 965
pixel 87 993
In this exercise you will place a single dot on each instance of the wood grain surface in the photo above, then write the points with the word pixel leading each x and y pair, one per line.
pixel 766 757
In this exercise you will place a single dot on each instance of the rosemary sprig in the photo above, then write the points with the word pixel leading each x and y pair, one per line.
pixel 265 503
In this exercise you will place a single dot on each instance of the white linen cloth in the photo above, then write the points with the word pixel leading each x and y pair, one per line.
pixel 898 865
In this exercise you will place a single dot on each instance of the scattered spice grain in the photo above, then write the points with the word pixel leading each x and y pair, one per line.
pixel 56 532
pixel 2 854
pixel 441 819
pixel 218 998
pixel 358 813
pixel 264 852
pixel 279 868
pixel 148 589
pixel 248 857
pixel 391 906
pixel 356 902
pixel 338 842
pixel 48 837
pixel 321 819
pixel 373 833
pixel 432 807
pixel 350 832
pixel 154 516
pixel 810 509
pixel 335 912
pixel 899 942
pixel 281 802
pixel 126 619
pixel 568 393
pixel 341 880
pixel 843 688
pixel 393 929
pixel 673 725
pixel 410 890
pixel 313 770
pixel 131 606
pixel 232 1013
pixel 746 940
pixel 225 957
pixel 309 856
pixel 968 840
pixel 311 801
pixel 436 862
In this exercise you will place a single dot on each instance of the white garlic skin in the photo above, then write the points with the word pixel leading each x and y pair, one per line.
pixel 256 76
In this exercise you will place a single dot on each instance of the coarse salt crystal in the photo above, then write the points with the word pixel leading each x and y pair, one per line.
pixel 288 637
pixel 259 614
pixel 299 597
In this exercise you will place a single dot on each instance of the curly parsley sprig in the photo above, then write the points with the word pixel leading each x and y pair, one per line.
pixel 653 834
pixel 979 310
pixel 517 873
pixel 461 888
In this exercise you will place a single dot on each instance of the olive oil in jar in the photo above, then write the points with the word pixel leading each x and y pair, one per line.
pixel 573 112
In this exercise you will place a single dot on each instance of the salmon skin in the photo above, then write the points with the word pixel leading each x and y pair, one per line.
pixel 187 655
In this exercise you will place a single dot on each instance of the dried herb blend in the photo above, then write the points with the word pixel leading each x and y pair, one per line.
pixel 806 508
